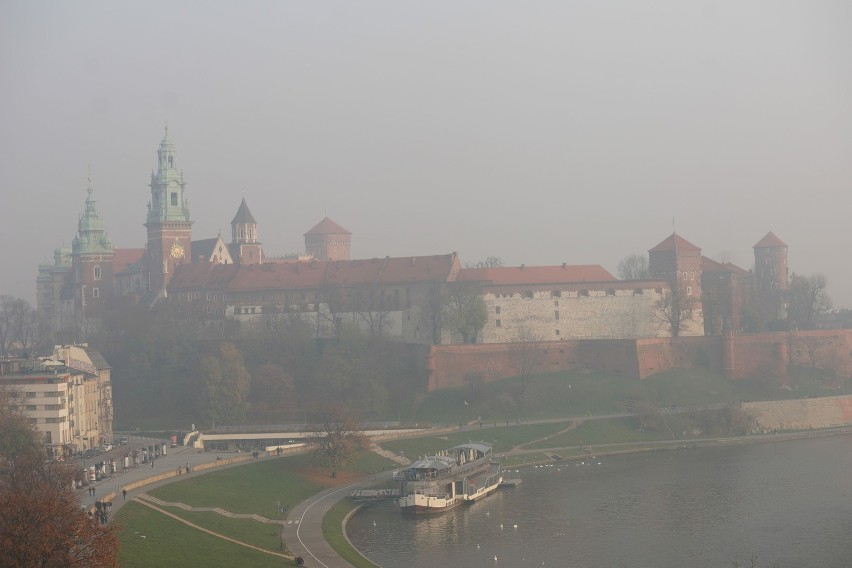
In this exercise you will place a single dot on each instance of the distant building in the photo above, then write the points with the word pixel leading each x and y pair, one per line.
pixel 67 397
pixel 399 296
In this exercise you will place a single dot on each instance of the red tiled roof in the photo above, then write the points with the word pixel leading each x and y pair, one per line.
pixel 770 241
pixel 312 274
pixel 327 227
pixel 708 265
pixel 521 275
pixel 672 242
pixel 122 258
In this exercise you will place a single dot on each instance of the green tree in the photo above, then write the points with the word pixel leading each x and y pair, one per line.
pixel 227 384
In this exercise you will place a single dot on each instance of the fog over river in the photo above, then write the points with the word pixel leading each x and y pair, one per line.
pixel 787 503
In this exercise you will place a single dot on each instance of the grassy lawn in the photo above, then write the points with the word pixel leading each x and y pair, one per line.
pixel 332 528
pixel 253 488
pixel 168 542
pixel 262 535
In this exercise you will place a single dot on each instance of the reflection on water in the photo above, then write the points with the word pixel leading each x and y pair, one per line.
pixel 789 503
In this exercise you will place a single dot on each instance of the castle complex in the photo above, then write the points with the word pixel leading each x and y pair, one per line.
pixel 684 294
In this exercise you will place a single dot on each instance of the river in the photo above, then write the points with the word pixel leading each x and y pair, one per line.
pixel 789 504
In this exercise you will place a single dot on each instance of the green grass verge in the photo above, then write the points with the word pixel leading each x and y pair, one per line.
pixel 261 535
pixel 168 542
pixel 332 528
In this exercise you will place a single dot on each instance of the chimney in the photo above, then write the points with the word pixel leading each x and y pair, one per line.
pixel 522 266
pixel 564 266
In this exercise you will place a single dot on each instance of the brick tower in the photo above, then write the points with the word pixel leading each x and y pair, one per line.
pixel 679 262
pixel 245 248
pixel 328 241
pixel 168 224
pixel 770 263
pixel 91 262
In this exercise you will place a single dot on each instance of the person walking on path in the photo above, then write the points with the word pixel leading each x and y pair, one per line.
pixel 124 494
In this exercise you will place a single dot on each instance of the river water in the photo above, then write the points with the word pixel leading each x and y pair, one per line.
pixel 787 503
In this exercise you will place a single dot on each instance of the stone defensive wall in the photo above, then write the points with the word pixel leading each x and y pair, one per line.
pixel 758 356
pixel 801 414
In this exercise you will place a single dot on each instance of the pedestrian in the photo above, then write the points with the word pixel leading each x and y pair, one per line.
pixel 152 464
pixel 124 494
pixel 93 490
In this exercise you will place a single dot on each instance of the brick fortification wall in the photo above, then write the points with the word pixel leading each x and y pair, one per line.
pixel 758 356
pixel 449 364
pixel 801 414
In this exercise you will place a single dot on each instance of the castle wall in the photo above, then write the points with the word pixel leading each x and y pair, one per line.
pixel 450 364
pixel 760 356
pixel 801 414
pixel 614 311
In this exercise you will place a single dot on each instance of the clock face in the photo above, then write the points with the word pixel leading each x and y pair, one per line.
pixel 176 250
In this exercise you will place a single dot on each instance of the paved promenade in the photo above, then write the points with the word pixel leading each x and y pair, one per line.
pixel 305 538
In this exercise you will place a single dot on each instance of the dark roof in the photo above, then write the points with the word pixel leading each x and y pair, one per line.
pixel 674 242
pixel 97 359
pixel 327 227
pixel 243 215
pixel 770 241
pixel 521 275
pixel 204 248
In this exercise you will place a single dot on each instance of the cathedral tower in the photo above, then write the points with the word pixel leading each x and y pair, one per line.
pixel 168 224
pixel 245 248
pixel 91 262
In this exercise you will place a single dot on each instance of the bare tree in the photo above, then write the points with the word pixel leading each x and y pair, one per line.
pixel 527 357
pixel 674 308
pixel 808 299
pixel 490 262
pixel 336 435
pixel 633 267
pixel 463 310
pixel 18 324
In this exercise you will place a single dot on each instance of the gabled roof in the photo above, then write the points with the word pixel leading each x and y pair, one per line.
pixel 770 241
pixel 708 265
pixel 674 242
pixel 327 227
pixel 520 275
pixel 312 274
pixel 203 248
pixel 243 215
pixel 124 258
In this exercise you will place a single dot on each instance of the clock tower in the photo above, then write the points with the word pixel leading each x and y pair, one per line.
pixel 168 224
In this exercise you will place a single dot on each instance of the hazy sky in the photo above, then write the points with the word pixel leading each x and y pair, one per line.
pixel 540 132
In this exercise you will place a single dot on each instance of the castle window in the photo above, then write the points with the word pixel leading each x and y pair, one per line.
pixel 692 275
pixel 96 293
pixel 497 310
pixel 171 161
pixel 97 272
pixel 498 323
pixel 250 233
pixel 174 199
pixel 685 275
pixel 208 309
pixel 689 290
pixel 557 332
pixel 556 315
